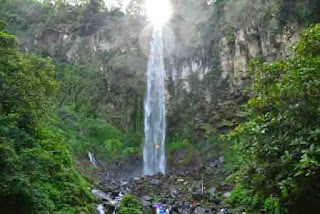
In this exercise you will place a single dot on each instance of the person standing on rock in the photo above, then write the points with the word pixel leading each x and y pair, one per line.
pixel 192 206
pixel 184 206
pixel 167 211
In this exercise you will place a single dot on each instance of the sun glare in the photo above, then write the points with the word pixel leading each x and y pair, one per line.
pixel 158 11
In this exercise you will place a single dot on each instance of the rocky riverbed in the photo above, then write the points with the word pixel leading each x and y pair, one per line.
pixel 176 191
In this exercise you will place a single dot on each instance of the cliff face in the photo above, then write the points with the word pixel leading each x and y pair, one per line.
pixel 206 67
pixel 217 86
pixel 223 86
pixel 249 44
pixel 209 76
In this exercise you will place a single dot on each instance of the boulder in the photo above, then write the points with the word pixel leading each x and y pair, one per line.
pixel 198 196
pixel 223 211
pixel 155 182
pixel 101 195
pixel 184 211
pixel 109 208
pixel 227 194
pixel 146 203
pixel 221 160
pixel 174 191
pixel 147 198
pixel 200 210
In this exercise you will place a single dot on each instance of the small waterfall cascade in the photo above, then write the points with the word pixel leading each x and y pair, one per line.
pixel 92 159
pixel 100 209
pixel 154 108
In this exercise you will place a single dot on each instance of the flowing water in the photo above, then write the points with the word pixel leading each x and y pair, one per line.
pixel 154 109
pixel 92 159
pixel 100 209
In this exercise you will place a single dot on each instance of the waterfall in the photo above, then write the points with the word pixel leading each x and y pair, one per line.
pixel 154 108
pixel 100 209
pixel 92 159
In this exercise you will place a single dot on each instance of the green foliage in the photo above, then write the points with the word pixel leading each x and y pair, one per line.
pixel 278 147
pixel 230 35
pixel 309 46
pixel 231 160
pixel 37 173
pixel 26 85
pixel 130 205
pixel 180 147
pixel 106 142
pixel 274 26
pixel 304 12
pixel 178 144
pixel 266 14
pixel 156 199
pixel 243 199
pixel 272 205
pixel 251 13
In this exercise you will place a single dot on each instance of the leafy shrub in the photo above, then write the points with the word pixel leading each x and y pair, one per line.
pixel 98 137
pixel 272 205
pixel 243 199
pixel 278 147
pixel 130 205
pixel 183 146
pixel 230 35
pixel 37 172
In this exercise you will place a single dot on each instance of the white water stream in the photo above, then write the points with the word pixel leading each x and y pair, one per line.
pixel 100 209
pixel 92 159
pixel 155 108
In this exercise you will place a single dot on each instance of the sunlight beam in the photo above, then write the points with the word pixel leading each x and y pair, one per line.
pixel 159 11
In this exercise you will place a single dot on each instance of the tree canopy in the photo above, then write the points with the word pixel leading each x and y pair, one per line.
pixel 37 172
pixel 278 146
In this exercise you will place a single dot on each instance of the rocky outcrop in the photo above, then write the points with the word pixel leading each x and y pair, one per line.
pixel 219 81
pixel 249 44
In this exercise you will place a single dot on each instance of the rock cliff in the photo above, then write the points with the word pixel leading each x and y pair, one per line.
pixel 206 63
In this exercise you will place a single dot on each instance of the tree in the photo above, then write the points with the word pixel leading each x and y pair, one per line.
pixel 37 173
pixel 279 145
pixel 251 13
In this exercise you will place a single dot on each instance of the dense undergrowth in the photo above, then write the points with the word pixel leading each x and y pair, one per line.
pixel 130 205
pixel 107 143
pixel 37 172
pixel 278 147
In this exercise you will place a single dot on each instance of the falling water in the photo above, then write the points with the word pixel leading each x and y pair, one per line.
pixel 154 108
pixel 100 209
pixel 92 159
